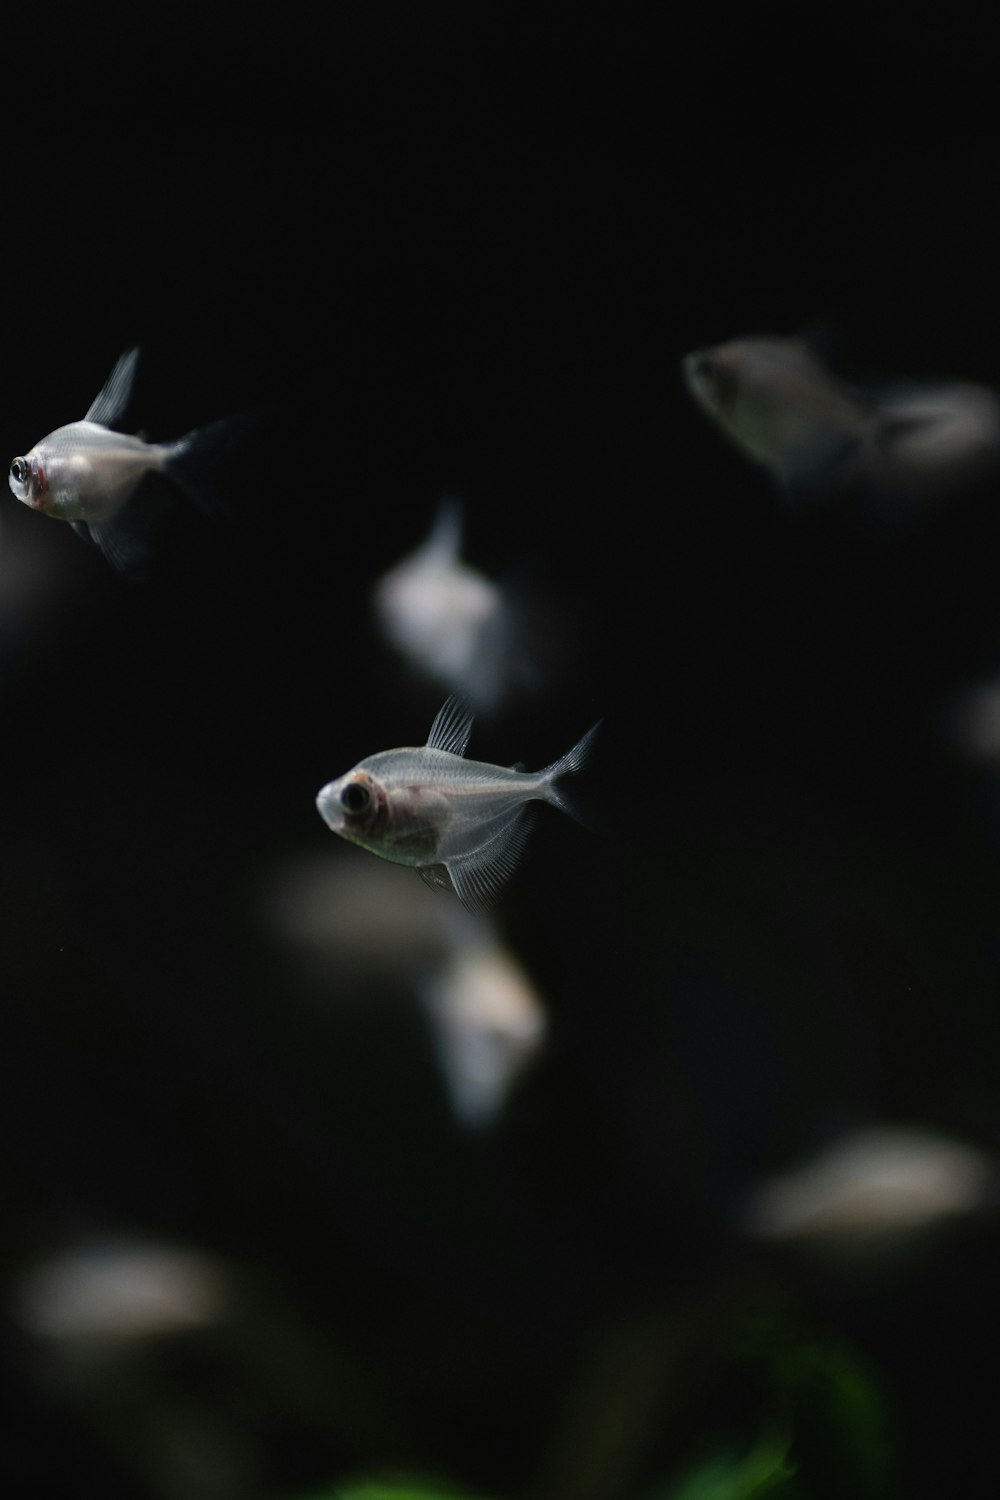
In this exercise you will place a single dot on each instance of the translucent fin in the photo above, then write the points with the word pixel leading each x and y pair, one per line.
pixel 108 406
pixel 566 765
pixel 200 462
pixel 479 877
pixel 130 538
pixel 445 539
pixel 453 725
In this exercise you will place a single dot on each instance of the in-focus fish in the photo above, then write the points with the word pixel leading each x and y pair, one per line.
pixel 778 402
pixel 86 472
pixel 459 823
pixel 450 621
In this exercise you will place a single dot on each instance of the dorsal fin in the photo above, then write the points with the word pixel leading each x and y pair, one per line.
pixel 453 725
pixel 445 539
pixel 108 406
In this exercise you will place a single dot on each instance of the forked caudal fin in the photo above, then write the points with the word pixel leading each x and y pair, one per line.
pixel 200 462
pixel 566 765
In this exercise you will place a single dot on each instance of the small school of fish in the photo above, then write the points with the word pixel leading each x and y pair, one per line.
pixel 462 824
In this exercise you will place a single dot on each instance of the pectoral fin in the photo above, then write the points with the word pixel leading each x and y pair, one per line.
pixel 479 876
pixel 131 538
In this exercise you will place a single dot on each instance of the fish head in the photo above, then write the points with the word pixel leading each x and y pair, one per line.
pixel 390 806
pixel 732 384
pixel 738 385
pixel 28 482
pixel 354 806
pixel 777 401
pixel 713 377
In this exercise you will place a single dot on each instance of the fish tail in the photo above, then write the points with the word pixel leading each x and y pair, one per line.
pixel 574 760
pixel 200 464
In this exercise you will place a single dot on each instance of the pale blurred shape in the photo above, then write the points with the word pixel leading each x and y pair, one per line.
pixel 976 721
pixel 358 923
pixel 346 912
pixel 779 402
pixel 447 620
pixel 873 1185
pixel 120 1291
pixel 489 1022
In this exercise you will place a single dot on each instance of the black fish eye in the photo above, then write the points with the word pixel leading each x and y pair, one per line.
pixel 354 797
pixel 19 470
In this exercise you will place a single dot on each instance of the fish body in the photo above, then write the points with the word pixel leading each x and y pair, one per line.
pixel 872 1187
pixel 774 399
pixel 447 619
pixel 488 1020
pixel 458 822
pixel 86 473
pixel 777 401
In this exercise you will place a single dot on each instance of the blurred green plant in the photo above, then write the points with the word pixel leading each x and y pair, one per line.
pixel 376 1489
pixel 764 1471
pixel 821 1432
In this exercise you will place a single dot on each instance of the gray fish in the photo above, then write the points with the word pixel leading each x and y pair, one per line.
pixel 86 472
pixel 460 823
pixel 777 401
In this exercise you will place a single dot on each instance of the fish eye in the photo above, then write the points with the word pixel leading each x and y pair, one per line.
pixel 19 470
pixel 354 797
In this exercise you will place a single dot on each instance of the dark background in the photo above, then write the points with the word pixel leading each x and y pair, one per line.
pixel 464 252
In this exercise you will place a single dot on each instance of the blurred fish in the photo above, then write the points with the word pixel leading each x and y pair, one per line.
pixel 778 402
pixel 86 473
pixel 489 1023
pixel 460 823
pixel 120 1290
pixel 872 1187
pixel 451 622
pixel 365 928
pixel 975 721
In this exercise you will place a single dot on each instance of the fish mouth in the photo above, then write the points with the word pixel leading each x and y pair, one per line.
pixel 700 368
pixel 328 806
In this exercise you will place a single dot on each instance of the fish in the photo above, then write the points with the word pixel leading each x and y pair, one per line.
pixel 120 1291
pixel 488 1021
pixel 872 1187
pixel 87 472
pixel 462 824
pixel 451 622
pixel 777 401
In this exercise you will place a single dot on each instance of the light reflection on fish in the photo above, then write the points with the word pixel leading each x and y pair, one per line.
pixel 459 823
pixel 450 621
pixel 779 403
pixel 86 473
